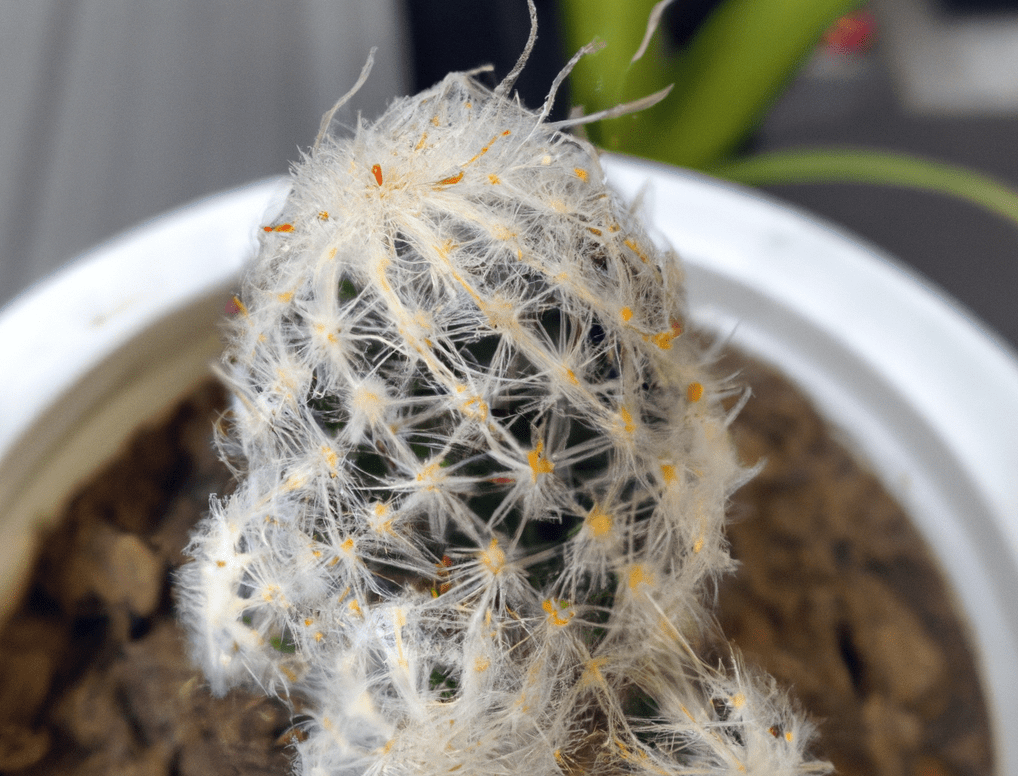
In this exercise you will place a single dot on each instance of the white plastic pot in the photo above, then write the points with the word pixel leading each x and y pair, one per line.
pixel 915 386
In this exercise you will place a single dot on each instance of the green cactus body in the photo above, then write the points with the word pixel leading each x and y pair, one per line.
pixel 482 471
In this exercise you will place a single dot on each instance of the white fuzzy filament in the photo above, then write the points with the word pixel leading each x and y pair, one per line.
pixel 484 471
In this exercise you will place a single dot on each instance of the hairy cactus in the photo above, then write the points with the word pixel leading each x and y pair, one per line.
pixel 482 472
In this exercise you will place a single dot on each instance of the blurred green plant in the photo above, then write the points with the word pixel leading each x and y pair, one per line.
pixel 726 78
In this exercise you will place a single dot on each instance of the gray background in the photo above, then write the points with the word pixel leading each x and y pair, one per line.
pixel 116 110
pixel 905 96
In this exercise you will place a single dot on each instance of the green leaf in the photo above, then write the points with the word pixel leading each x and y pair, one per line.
pixel 740 61
pixel 725 79
pixel 608 78
pixel 873 167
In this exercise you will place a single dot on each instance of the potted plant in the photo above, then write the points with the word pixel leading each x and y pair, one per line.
pixel 788 330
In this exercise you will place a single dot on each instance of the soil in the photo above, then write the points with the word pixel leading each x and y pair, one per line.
pixel 837 597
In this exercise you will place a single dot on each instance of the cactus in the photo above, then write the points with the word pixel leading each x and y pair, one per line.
pixel 482 470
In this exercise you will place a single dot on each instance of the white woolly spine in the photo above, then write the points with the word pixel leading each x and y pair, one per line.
pixel 455 336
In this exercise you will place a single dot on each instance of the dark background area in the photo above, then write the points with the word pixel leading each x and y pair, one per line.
pixel 452 35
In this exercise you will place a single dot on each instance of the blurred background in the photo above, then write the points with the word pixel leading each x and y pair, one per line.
pixel 117 110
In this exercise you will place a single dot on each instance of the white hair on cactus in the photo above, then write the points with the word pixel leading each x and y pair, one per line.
pixel 483 470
